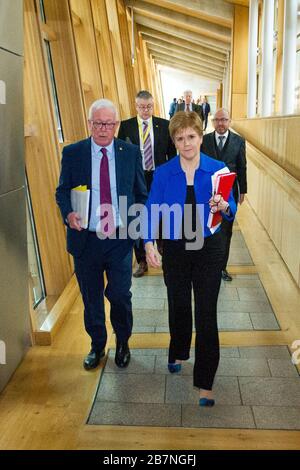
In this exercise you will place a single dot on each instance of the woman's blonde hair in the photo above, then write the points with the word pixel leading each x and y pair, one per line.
pixel 182 120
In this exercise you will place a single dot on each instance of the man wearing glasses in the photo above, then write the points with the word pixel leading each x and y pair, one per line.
pixel 224 145
pixel 109 168
pixel 151 134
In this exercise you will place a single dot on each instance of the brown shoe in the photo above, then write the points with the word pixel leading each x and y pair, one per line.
pixel 141 270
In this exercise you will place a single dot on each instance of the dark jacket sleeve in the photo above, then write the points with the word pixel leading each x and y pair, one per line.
pixel 242 168
pixel 140 188
pixel 63 190
pixel 122 132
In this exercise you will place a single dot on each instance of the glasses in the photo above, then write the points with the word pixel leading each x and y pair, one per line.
pixel 222 120
pixel 103 125
pixel 145 108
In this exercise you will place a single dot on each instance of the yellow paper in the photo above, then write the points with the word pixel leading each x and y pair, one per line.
pixel 80 188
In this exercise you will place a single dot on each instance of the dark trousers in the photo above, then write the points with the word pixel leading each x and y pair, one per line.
pixel 139 248
pixel 201 271
pixel 226 228
pixel 115 258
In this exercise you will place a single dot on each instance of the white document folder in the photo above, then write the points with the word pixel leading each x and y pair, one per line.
pixel 80 201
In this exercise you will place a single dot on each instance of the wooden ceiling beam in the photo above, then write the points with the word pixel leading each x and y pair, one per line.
pixel 179 20
pixel 172 39
pixel 218 11
pixel 182 33
pixel 184 51
pixel 186 65
pixel 179 57
pixel 196 72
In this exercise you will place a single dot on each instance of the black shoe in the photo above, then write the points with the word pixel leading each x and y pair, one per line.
pixel 92 359
pixel 226 276
pixel 141 270
pixel 122 356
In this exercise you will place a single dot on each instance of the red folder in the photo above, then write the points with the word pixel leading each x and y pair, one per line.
pixel 224 183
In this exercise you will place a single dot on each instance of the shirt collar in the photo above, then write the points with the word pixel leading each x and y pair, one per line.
pixel 140 120
pixel 224 135
pixel 96 149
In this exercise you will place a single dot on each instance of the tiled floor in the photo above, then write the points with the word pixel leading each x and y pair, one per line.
pixel 255 387
pixel 242 305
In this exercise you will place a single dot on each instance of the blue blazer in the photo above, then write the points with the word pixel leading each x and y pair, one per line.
pixel 76 170
pixel 169 186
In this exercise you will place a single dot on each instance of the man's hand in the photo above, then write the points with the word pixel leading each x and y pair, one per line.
pixel 74 221
pixel 242 197
pixel 151 255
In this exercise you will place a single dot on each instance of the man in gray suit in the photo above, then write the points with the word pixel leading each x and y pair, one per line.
pixel 224 145
pixel 188 106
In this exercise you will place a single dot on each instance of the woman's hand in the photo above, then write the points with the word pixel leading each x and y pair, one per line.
pixel 217 203
pixel 151 255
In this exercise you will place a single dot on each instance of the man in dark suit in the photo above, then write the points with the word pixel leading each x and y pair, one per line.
pixel 151 134
pixel 188 106
pixel 205 110
pixel 109 168
pixel 224 145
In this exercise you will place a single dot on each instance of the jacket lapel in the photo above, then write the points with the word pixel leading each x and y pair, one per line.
pixel 118 162
pixel 156 131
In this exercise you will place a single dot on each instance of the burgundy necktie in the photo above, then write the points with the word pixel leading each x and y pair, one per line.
pixel 188 108
pixel 106 214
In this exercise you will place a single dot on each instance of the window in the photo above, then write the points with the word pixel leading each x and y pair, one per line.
pixel 36 279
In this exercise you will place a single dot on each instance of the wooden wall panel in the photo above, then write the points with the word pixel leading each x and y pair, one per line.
pixel 66 71
pixel 126 106
pixel 276 137
pixel 143 64
pixel 240 62
pixel 126 51
pixel 132 31
pixel 86 46
pixel 105 56
pixel 42 157
pixel 275 197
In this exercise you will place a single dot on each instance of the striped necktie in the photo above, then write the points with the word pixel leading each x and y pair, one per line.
pixel 148 159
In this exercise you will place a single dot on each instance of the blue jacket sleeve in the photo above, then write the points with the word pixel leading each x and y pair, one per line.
pixel 151 215
pixel 63 191
pixel 233 208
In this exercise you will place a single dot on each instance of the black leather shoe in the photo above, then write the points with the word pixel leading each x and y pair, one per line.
pixel 92 359
pixel 122 356
pixel 141 270
pixel 226 276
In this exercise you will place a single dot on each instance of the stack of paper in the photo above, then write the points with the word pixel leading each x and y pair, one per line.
pixel 80 201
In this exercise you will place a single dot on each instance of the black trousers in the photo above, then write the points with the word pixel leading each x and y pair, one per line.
pixel 201 271
pixel 115 258
pixel 226 228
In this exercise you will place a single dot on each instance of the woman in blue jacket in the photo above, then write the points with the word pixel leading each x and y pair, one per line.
pixel 182 189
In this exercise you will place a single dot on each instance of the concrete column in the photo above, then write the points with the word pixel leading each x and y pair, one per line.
pixel 252 58
pixel 289 56
pixel 267 58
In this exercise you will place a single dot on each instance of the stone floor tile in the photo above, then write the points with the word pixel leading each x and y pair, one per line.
pixel 135 414
pixel 137 365
pixel 252 293
pixel 234 321
pixel 149 304
pixel 180 390
pixel 133 388
pixel 265 321
pixel 277 417
pixel 234 367
pixel 282 368
pixel 270 391
pixel 220 416
pixel 270 352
